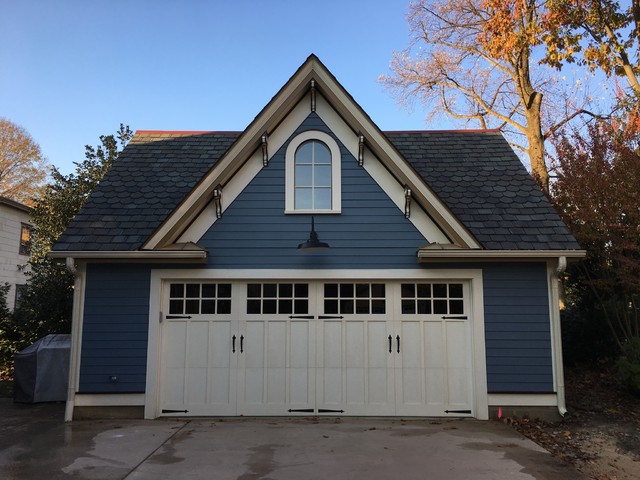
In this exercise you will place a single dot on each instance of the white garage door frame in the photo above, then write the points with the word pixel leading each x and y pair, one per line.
pixel 160 277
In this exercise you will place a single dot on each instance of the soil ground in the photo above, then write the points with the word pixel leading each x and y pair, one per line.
pixel 600 436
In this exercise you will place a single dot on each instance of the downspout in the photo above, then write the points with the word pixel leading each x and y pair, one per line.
pixel 557 333
pixel 76 331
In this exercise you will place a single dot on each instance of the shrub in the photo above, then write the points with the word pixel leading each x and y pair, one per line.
pixel 629 365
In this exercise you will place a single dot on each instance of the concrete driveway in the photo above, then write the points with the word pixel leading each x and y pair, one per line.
pixel 36 444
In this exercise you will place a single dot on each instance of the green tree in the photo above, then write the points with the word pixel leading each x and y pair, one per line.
pixel 23 169
pixel 46 305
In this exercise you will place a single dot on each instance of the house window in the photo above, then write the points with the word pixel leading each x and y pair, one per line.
pixel 313 174
pixel 354 298
pixel 25 239
pixel 432 298
pixel 200 298
pixel 20 291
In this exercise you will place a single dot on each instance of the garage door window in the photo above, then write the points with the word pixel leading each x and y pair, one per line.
pixel 200 298
pixel 277 298
pixel 354 298
pixel 432 298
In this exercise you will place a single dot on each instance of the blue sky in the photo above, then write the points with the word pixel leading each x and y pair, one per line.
pixel 72 70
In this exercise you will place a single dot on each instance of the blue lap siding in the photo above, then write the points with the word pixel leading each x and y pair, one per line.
pixel 371 231
pixel 115 328
pixel 517 328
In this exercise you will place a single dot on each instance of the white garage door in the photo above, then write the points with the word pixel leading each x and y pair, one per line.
pixel 287 348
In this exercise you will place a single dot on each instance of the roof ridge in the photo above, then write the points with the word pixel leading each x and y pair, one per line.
pixel 185 132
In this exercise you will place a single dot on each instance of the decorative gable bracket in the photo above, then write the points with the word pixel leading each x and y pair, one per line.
pixel 360 150
pixel 217 200
pixel 265 151
pixel 407 201
pixel 313 95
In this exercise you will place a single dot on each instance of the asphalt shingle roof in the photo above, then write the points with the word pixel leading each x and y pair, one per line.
pixel 149 179
pixel 475 173
pixel 482 181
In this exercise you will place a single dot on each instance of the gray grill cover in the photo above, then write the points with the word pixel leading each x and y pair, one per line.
pixel 42 370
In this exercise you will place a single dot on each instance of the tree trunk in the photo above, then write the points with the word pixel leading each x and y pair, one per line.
pixel 536 143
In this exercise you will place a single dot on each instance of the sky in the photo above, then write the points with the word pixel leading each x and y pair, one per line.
pixel 72 70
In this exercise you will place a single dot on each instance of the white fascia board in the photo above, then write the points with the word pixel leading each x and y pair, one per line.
pixel 428 255
pixel 247 172
pixel 226 167
pixel 378 143
pixel 372 165
pixel 183 255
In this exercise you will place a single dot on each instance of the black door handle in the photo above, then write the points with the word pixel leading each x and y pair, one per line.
pixel 398 339
pixel 241 343
pixel 233 344
pixel 390 344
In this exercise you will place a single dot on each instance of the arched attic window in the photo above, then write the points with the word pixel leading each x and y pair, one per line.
pixel 313 174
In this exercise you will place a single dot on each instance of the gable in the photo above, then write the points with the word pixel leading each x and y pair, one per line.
pixel 370 231
pixel 469 189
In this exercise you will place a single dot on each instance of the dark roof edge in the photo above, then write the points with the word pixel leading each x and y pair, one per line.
pixel 12 203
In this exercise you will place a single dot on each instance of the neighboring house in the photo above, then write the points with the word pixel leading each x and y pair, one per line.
pixel 196 293
pixel 15 247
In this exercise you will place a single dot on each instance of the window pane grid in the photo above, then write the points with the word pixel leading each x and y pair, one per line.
pixel 432 298
pixel 354 298
pixel 312 176
pixel 200 298
pixel 277 298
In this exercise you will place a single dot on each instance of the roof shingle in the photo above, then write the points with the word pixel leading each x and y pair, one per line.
pixel 476 174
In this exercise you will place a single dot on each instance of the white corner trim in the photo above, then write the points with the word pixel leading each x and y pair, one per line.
pixel 554 271
pixel 76 338
pixel 154 342
pixel 336 169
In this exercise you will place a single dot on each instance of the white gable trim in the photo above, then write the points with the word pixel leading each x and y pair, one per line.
pixel 391 186
pixel 283 105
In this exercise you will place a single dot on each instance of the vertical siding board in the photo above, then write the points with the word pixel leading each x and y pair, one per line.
pixel 114 334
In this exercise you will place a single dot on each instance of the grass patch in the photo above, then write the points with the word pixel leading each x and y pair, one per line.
pixel 6 388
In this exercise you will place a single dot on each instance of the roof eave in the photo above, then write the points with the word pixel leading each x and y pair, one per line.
pixel 183 256
pixel 431 256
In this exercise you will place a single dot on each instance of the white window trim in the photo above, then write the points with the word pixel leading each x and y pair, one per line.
pixel 336 185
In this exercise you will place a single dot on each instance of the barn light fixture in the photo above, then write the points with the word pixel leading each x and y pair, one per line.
pixel 314 243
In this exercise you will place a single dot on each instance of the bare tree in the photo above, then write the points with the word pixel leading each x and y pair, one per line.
pixel 472 59
pixel 23 169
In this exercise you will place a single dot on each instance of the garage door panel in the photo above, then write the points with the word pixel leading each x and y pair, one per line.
pixel 310 360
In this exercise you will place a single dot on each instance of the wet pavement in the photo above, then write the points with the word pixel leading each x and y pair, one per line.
pixel 35 443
